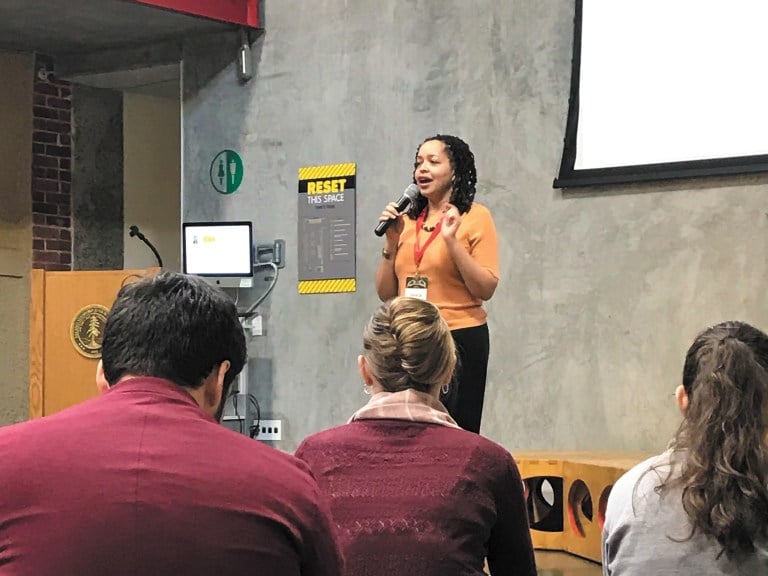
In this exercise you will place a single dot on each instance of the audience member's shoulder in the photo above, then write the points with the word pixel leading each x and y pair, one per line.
pixel 650 471
pixel 640 480
pixel 260 460
pixel 24 442
pixel 52 424
pixel 632 492
pixel 493 448
pixel 11 433
pixel 321 440
pixel 483 448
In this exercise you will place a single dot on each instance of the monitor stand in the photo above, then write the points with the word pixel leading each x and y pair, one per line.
pixel 223 282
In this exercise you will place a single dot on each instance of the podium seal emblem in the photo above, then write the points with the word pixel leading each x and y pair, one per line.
pixel 87 330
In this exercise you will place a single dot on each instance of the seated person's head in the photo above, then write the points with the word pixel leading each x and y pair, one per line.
pixel 722 440
pixel 406 345
pixel 724 379
pixel 178 328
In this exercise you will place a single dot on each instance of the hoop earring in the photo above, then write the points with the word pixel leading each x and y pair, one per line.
pixel 366 390
pixel 445 388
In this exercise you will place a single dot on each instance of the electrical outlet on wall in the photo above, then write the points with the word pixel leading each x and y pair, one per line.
pixel 278 254
pixel 257 328
pixel 270 430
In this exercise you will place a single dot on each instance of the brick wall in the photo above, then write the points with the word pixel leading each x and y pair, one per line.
pixel 52 174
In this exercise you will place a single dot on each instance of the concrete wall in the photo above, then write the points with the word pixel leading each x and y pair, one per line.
pixel 97 179
pixel 152 178
pixel 601 291
pixel 17 72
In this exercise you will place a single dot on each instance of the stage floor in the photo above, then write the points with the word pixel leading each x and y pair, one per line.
pixel 562 564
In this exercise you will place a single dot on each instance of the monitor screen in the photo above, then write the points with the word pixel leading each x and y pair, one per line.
pixel 218 249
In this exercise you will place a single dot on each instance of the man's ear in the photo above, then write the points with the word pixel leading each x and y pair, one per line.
pixel 101 381
pixel 218 391
pixel 682 399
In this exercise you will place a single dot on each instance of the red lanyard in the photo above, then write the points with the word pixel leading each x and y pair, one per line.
pixel 418 250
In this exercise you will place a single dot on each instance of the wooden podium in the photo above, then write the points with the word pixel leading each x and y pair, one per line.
pixel 66 316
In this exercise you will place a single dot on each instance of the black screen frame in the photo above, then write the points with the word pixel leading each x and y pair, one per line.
pixel 187 225
pixel 570 177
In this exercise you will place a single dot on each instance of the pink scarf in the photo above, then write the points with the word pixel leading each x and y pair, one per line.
pixel 408 405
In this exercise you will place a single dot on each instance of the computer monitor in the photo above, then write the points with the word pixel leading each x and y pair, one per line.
pixel 220 252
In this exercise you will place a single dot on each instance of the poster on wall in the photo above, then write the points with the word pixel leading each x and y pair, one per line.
pixel 326 235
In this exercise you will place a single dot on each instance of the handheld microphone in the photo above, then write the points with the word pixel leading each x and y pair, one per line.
pixel 410 194
pixel 134 231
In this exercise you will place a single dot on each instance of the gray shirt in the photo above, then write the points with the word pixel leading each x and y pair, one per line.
pixel 641 528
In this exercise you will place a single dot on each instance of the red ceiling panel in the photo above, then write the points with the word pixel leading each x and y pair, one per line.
pixel 242 12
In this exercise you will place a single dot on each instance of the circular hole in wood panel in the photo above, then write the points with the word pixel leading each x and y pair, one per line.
pixel 602 505
pixel 544 499
pixel 579 507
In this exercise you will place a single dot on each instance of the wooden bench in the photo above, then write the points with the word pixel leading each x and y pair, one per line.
pixel 567 493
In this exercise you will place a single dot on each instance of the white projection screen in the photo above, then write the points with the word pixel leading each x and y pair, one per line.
pixel 664 89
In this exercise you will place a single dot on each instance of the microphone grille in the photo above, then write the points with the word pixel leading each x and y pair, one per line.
pixel 412 192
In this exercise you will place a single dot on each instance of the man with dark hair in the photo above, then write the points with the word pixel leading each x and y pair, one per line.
pixel 144 479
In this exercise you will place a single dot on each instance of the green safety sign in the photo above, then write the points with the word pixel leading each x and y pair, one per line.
pixel 227 171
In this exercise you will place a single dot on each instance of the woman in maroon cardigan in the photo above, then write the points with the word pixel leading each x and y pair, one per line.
pixel 410 491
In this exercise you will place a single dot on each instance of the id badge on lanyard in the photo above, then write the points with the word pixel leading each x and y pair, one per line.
pixel 416 286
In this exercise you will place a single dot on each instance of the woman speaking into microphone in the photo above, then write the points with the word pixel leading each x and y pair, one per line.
pixel 443 248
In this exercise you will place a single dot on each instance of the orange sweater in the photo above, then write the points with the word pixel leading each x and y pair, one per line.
pixel 446 289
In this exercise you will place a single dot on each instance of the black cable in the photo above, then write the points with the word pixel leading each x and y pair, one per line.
pixel 237 414
pixel 255 428
pixel 252 309
pixel 134 231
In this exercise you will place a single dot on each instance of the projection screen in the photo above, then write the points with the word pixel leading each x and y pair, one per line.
pixel 664 89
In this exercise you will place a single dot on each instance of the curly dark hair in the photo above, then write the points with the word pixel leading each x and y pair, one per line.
pixel 464 175
pixel 721 443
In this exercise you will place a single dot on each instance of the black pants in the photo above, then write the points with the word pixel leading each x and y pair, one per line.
pixel 464 399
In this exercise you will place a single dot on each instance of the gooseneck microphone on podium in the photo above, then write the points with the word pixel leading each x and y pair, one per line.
pixel 134 231
pixel 410 195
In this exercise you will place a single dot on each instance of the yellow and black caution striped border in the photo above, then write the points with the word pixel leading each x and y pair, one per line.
pixel 328 171
pixel 329 286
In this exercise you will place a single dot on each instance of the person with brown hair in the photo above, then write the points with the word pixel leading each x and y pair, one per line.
pixel 701 507
pixel 410 491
